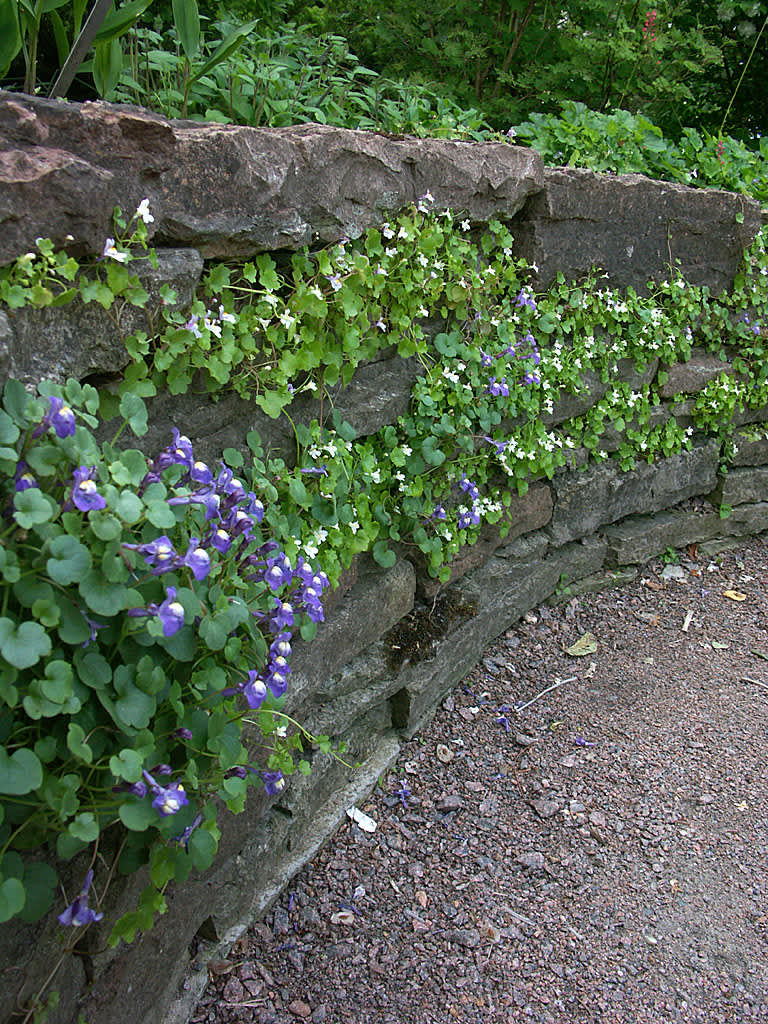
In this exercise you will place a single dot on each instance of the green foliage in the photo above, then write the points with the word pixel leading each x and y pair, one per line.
pixel 125 660
pixel 279 76
pixel 623 143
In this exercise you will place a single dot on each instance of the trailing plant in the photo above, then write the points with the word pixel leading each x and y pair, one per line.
pixel 145 640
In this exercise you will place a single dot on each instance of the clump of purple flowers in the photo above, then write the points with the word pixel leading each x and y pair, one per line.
pixel 469 516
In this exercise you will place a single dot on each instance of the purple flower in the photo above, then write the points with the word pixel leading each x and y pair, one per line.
pixel 499 445
pixel 167 799
pixel 60 417
pixel 486 360
pixel 171 613
pixel 185 836
pixel 183 733
pixel 221 540
pixel 279 573
pixel 181 450
pixel 276 678
pixel 255 690
pixel 498 387
pixel 439 513
pixel 197 559
pixel 135 788
pixel 316 470
pixel 201 474
pixel 24 479
pixel 85 496
pixel 159 553
pixel 282 616
pixel 274 782
pixel 78 912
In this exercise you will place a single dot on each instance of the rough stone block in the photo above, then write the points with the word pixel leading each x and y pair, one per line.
pixel 637 539
pixel 632 228
pixel 602 494
pixel 512 582
pixel 691 377
pixel 55 343
pixel 568 404
pixel 64 167
pixel 742 485
pixel 750 450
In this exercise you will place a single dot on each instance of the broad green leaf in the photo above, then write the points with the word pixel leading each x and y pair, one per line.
pixel 40 881
pixel 119 20
pixel 227 47
pixel 101 596
pixel 20 773
pixel 25 645
pixel 128 765
pixel 12 898
pixel 138 816
pixel 70 561
pixel 32 507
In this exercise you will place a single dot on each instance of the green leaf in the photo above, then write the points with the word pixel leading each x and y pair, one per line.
pixel 227 47
pixel 101 596
pixel 84 827
pixel 40 881
pixel 57 685
pixel 32 507
pixel 9 432
pixel 25 645
pixel 76 743
pixel 10 44
pixel 384 555
pixel 138 816
pixel 105 525
pixel 134 412
pixel 20 773
pixel 119 20
pixel 202 848
pixel 128 765
pixel 186 19
pixel 70 561
pixel 12 898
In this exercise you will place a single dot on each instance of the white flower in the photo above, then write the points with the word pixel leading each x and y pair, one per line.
pixel 376 476
pixel 212 325
pixel 142 210
pixel 406 450
pixel 311 385
pixel 402 233
pixel 281 731
pixel 390 251
pixel 387 231
pixel 226 318
pixel 112 252
pixel 286 319
pixel 465 225
pixel 354 526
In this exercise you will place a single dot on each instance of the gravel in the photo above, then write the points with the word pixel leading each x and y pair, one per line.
pixel 600 856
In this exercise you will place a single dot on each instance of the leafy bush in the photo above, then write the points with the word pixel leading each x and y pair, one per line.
pixel 623 143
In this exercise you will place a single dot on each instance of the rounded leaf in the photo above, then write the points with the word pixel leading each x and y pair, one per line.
pixel 23 646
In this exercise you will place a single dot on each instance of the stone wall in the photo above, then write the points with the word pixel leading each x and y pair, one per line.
pixel 394 641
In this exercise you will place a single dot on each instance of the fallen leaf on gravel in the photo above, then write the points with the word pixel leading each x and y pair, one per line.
pixel 444 754
pixel 421 898
pixel 343 917
pixel 361 819
pixel 586 644
pixel 734 595
pixel 524 740
pixel 489 931
pixel 720 647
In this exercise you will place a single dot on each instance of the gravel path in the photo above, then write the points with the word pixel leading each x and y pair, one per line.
pixel 598 856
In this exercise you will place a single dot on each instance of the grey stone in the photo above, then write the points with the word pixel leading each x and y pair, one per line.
pixel 78 339
pixel 603 494
pixel 637 539
pixel 569 404
pixel 691 377
pixel 632 228
pixel 750 450
pixel 742 485
pixel 64 166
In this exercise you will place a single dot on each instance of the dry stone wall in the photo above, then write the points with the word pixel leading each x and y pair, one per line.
pixel 394 641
